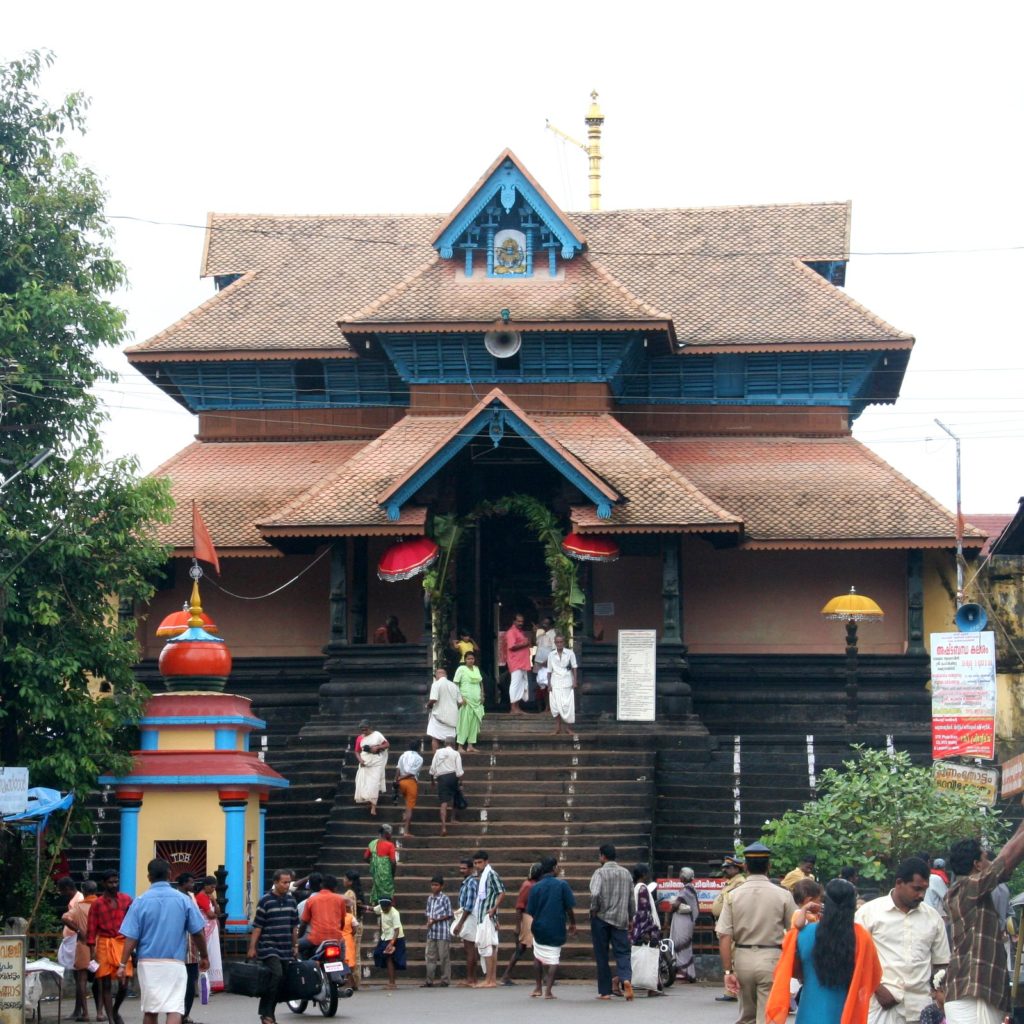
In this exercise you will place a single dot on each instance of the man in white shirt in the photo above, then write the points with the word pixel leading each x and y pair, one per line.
pixel 446 770
pixel 443 705
pixel 562 679
pixel 910 938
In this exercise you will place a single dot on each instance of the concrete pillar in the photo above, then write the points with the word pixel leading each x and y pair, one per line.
pixel 234 804
pixel 131 804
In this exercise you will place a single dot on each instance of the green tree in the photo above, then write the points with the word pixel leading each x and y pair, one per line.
pixel 76 531
pixel 878 810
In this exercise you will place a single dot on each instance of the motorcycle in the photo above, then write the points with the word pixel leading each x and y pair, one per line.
pixel 666 963
pixel 334 977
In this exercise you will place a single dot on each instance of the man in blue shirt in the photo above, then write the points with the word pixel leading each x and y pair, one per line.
pixel 465 923
pixel 550 905
pixel 158 924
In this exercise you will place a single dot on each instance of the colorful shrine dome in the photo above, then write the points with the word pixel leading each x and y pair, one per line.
pixel 195 659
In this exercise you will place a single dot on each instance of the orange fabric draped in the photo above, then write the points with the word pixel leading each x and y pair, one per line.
pixel 867 976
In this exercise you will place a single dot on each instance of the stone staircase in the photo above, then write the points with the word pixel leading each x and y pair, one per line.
pixel 530 795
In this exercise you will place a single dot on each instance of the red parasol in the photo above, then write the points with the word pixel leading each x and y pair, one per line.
pixel 177 622
pixel 406 559
pixel 590 548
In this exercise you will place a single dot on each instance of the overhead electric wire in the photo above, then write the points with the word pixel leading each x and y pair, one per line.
pixel 674 253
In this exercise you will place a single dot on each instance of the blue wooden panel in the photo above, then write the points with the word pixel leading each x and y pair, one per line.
pixel 457 358
pixel 788 378
pixel 347 383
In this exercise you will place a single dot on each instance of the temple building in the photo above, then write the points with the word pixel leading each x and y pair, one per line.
pixel 677 384
pixel 683 381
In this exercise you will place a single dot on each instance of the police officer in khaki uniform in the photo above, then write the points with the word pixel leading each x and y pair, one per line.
pixel 732 870
pixel 754 919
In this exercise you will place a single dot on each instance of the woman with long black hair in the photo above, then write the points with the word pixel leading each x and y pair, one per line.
pixel 836 960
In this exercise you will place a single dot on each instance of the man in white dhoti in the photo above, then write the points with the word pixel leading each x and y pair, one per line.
pixel 372 752
pixel 157 924
pixel 443 705
pixel 563 682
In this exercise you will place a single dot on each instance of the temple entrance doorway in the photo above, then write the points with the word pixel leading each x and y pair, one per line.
pixel 504 574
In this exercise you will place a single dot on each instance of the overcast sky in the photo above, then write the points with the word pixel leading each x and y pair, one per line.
pixel 911 110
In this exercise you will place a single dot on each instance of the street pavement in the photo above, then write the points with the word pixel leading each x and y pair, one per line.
pixel 575 1004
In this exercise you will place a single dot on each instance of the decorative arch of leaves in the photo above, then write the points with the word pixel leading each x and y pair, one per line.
pixel 450 531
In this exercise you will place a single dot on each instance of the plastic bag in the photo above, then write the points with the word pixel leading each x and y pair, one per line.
pixel 204 988
pixel 645 967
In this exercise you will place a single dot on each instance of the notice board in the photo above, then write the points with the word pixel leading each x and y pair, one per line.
pixel 12 979
pixel 638 655
pixel 963 695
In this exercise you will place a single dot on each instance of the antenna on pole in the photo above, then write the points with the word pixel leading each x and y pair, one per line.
pixel 959 522
pixel 594 121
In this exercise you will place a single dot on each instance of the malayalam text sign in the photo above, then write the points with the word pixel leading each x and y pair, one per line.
pixel 963 695
pixel 982 781
pixel 12 979
pixel 1013 776
pixel 13 790
pixel 707 890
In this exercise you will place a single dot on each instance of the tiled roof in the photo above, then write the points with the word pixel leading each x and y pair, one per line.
pixel 348 500
pixel 438 293
pixel 810 492
pixel 990 523
pixel 725 276
pixel 461 427
pixel 657 496
pixel 238 483
pixel 302 275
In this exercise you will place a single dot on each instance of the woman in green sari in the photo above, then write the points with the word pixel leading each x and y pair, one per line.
pixel 471 712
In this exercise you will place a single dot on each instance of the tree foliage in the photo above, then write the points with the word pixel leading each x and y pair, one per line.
pixel 878 810
pixel 76 531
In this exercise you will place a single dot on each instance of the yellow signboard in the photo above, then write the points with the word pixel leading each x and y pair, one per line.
pixel 983 781
pixel 12 979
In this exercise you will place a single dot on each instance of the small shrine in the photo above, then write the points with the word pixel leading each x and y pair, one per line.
pixel 196 795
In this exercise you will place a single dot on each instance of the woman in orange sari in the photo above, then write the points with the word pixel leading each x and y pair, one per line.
pixel 836 960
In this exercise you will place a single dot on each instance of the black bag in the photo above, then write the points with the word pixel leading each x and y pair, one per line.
pixel 247 979
pixel 302 979
pixel 459 801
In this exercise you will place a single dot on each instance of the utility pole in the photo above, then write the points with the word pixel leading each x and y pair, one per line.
pixel 959 522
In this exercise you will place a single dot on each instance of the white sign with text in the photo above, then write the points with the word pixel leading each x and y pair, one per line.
pixel 638 655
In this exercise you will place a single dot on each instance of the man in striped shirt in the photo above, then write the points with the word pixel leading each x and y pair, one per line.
pixel 275 937
pixel 490 893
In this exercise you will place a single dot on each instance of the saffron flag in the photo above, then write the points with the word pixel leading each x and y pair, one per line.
pixel 202 542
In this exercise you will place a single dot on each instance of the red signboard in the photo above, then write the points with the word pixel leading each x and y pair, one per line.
pixel 963 737
pixel 1013 776
pixel 707 890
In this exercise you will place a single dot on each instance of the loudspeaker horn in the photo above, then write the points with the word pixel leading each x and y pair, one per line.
pixel 503 343
pixel 971 618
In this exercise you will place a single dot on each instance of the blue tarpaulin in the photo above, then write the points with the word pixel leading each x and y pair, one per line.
pixel 41 804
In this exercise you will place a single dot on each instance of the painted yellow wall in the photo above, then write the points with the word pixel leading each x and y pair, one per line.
pixel 184 739
pixel 179 813
pixel 938 571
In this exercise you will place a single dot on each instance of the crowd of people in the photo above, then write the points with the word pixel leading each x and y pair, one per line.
pixel 932 949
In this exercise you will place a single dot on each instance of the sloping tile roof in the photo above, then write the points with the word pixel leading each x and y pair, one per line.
pixel 238 483
pixel 725 276
pixel 497 397
pixel 657 496
pixel 348 500
pixel 806 492
pixel 439 293
pixel 306 272
pixel 990 523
